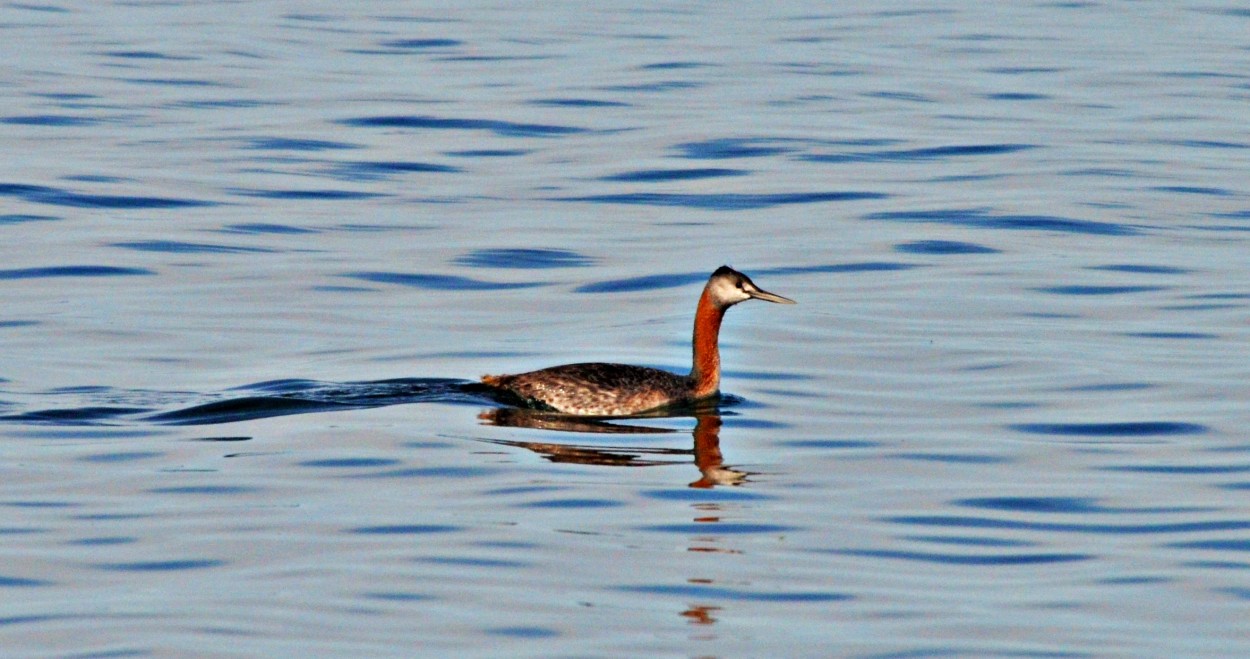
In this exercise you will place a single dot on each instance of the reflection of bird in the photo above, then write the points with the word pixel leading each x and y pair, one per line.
pixel 701 615
pixel 606 456
pixel 597 389
pixel 707 455
pixel 708 458
pixel 540 420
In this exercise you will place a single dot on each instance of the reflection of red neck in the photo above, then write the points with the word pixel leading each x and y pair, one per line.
pixel 706 370
pixel 707 455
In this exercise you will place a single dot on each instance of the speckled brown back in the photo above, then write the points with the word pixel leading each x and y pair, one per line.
pixel 598 389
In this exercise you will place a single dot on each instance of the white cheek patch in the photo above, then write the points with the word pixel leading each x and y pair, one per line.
pixel 727 292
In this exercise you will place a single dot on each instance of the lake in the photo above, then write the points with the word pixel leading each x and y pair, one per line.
pixel 253 256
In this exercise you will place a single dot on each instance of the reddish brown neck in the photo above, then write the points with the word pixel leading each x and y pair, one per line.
pixel 706 370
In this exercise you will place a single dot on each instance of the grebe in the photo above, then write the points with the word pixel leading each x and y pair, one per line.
pixel 597 389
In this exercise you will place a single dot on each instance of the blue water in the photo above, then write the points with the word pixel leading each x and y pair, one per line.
pixel 252 259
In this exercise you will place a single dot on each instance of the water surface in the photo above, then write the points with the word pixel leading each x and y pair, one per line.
pixel 252 257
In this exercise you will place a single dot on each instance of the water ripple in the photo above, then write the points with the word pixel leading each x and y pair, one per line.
pixel 120 456
pixel 1118 429
pixel 421 44
pixel 910 97
pixel 724 201
pixel 737 147
pixel 1232 544
pixel 498 127
pixel 1140 269
pixel 42 194
pixel 322 194
pixel 437 282
pixel 719 528
pixel 943 248
pixel 703 496
pixel 176 82
pixel 967 559
pixel 968 541
pixel 76 416
pixel 709 592
pixel 161 566
pixel 1060 505
pixel 405 529
pixel 292 144
pixel 488 153
pixel 7 621
pixel 1194 189
pixel 228 104
pixel 20 218
pixel 176 247
pixel 451 473
pixel 59 120
pixel 1180 336
pixel 284 397
pixel 954 458
pixel 659 175
pixel 671 66
pixel 380 169
pixel 349 463
pixel 1180 469
pixel 981 218
pixel 1015 96
pixel 973 522
pixel 836 444
pixel 147 55
pixel 1079 289
pixel 396 596
pixel 265 228
pixel 577 103
pixel 1204 144
pixel 74 271
pixel 20 582
pixel 572 504
pixel 660 86
pixel 523 632
pixel 930 153
pixel 521 258
pixel 1023 70
pixel 210 490
pixel 242 409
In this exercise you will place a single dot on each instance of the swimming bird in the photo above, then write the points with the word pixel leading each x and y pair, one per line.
pixel 598 389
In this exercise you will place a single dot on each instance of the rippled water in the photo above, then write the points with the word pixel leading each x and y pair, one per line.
pixel 254 256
